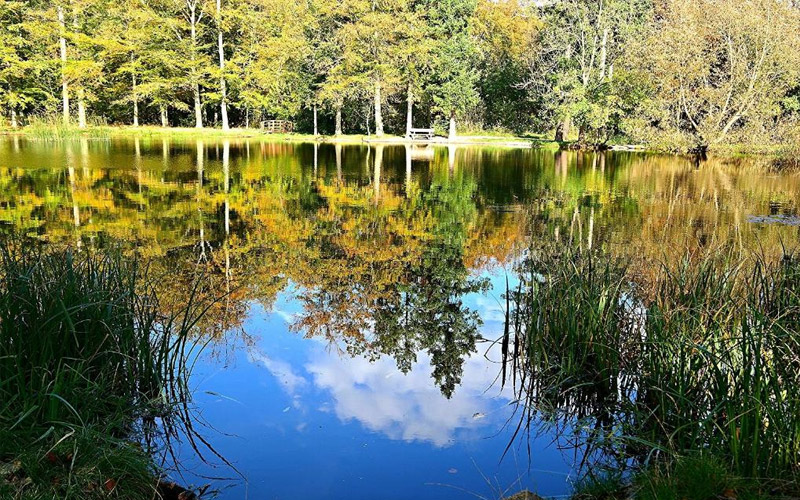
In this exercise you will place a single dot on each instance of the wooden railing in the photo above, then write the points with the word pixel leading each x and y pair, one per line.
pixel 277 126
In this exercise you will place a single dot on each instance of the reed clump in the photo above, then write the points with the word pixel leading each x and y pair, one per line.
pixel 702 356
pixel 88 365
pixel 53 128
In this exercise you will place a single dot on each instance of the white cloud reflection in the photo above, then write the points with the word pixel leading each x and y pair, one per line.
pixel 408 407
pixel 281 370
pixel 401 406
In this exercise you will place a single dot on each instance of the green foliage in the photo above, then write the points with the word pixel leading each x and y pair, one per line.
pixel 454 75
pixel 675 74
pixel 700 476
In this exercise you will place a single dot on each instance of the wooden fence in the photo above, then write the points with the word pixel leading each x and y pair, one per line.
pixel 277 126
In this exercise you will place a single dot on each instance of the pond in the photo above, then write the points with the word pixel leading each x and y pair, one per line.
pixel 355 351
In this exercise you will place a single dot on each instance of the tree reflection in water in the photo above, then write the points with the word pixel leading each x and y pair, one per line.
pixel 381 247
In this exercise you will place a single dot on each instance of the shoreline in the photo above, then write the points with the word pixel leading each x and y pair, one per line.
pixel 507 141
pixel 484 140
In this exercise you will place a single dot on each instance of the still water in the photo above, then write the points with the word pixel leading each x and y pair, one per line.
pixel 354 354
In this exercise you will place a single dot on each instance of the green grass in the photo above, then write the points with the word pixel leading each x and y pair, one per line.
pixel 700 356
pixel 695 477
pixel 88 362
pixel 55 130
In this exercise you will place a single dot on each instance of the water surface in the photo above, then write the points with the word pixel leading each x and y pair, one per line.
pixel 354 353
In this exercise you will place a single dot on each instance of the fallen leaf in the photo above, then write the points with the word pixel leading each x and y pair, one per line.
pixel 110 484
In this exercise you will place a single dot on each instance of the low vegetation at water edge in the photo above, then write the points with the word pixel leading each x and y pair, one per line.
pixel 92 375
pixel 652 365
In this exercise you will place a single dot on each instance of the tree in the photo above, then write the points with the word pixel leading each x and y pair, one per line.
pixel 19 64
pixel 574 71
pixel 455 56
pixel 221 50
pixel 271 60
pixel 507 36
pixel 719 67
pixel 184 19
pixel 412 55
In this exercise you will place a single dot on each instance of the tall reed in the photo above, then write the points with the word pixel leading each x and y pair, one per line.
pixel 52 128
pixel 703 355
pixel 88 362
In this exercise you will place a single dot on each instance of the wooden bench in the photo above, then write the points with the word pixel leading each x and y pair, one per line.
pixel 420 134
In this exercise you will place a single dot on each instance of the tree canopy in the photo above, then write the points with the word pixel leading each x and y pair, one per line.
pixel 679 73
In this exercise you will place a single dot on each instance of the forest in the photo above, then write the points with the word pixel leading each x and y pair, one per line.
pixel 671 74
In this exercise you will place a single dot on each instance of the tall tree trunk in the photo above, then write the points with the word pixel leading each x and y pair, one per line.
pixel 13 117
pixel 452 134
pixel 338 119
pixel 81 90
pixel 62 43
pixel 316 133
pixel 366 121
pixel 135 102
pixel 409 112
pixel 222 86
pixel 164 117
pixel 603 54
pixel 562 130
pixel 378 114
pixel 81 109
pixel 198 108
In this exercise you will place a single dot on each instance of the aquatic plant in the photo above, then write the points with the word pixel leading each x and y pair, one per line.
pixel 52 128
pixel 700 355
pixel 92 373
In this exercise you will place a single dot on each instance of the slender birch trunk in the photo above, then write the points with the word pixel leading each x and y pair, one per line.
pixel 135 102
pixel 62 42
pixel 409 112
pixel 378 113
pixel 315 121
pixel 81 108
pixel 603 54
pixel 222 85
pixel 198 109
pixel 338 119
pixel 81 90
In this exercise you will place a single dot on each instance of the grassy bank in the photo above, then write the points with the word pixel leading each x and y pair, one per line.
pixel 645 365
pixel 51 131
pixel 700 476
pixel 92 375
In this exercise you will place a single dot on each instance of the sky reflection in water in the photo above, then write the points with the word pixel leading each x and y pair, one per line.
pixel 313 422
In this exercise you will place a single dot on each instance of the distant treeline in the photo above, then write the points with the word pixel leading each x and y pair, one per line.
pixel 679 74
